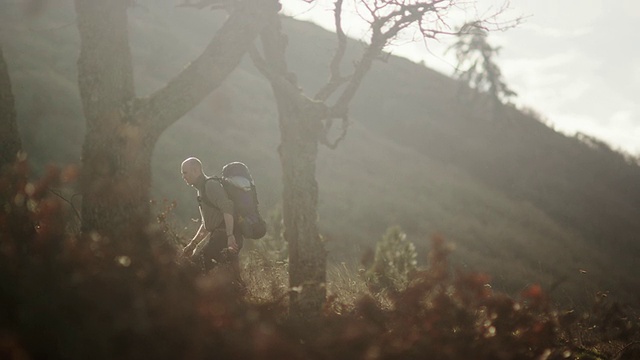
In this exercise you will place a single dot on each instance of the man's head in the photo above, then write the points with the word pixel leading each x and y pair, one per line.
pixel 191 170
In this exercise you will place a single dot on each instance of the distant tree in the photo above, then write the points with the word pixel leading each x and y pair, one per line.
pixel 305 121
pixel 122 129
pixel 477 63
pixel 10 142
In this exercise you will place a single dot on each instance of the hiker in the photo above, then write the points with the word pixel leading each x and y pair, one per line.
pixel 216 240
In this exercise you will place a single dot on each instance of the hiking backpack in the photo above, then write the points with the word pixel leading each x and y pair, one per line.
pixel 238 184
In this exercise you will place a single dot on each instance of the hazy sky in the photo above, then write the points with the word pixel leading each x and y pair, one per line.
pixel 575 62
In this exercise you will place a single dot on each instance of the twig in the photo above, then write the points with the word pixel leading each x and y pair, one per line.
pixel 335 79
pixel 54 192
pixel 621 351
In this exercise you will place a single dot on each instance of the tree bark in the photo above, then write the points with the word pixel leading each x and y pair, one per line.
pixel 10 142
pixel 122 130
pixel 111 195
pixel 307 255
pixel 300 126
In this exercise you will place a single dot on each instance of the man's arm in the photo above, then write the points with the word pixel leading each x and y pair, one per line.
pixel 200 235
pixel 219 197
pixel 231 239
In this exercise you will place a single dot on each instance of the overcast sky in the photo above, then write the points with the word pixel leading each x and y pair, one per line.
pixel 577 62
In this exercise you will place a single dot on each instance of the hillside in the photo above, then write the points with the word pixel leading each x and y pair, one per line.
pixel 519 200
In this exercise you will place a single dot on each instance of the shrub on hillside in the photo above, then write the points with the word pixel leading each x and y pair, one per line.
pixel 394 262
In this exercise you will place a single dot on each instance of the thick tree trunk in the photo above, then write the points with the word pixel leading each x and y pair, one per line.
pixel 105 70
pixel 300 125
pixel 115 162
pixel 307 255
pixel 9 138
pixel 116 179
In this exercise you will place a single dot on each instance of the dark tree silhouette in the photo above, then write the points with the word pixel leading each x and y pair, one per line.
pixel 10 142
pixel 477 64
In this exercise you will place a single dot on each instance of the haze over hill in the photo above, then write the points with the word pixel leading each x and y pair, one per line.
pixel 520 201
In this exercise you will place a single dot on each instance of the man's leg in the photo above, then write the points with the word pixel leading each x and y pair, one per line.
pixel 234 265
pixel 212 254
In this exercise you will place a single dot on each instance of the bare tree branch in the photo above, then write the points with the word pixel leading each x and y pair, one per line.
pixel 277 80
pixel 73 207
pixel 379 39
pixel 335 79
pixel 388 19
pixel 340 108
pixel 274 68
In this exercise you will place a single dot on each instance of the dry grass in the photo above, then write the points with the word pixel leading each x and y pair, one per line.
pixel 266 279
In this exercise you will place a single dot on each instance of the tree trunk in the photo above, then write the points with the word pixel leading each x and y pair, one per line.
pixel 115 163
pixel 122 130
pixel 116 179
pixel 300 126
pixel 307 256
pixel 9 138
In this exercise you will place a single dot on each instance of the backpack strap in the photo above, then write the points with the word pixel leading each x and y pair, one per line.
pixel 203 198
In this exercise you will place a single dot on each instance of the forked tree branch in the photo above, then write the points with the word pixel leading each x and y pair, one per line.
pixel 379 39
pixel 388 19
pixel 207 72
pixel 70 202
pixel 335 80
pixel 340 108
pixel 273 66
pixel 276 79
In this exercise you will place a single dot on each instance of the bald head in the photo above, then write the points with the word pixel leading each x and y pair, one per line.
pixel 192 162
pixel 191 170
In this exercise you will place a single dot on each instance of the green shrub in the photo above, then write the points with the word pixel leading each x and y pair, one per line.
pixel 393 264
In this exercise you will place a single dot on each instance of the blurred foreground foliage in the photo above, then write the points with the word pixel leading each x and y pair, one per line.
pixel 66 296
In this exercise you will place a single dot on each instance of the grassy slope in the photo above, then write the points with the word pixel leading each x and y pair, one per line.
pixel 412 157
